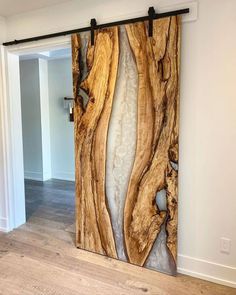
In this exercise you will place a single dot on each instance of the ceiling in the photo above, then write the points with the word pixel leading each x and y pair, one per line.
pixel 49 55
pixel 12 7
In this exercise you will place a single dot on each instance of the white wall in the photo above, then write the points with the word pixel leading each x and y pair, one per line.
pixel 207 202
pixel 2 178
pixel 74 14
pixel 14 145
pixel 31 118
pixel 61 129
pixel 3 209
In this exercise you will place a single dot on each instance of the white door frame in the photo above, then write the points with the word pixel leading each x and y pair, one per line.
pixel 10 116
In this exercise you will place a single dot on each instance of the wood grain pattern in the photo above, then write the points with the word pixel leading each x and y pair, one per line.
pixel 158 67
pixel 93 226
pixel 173 153
pixel 155 164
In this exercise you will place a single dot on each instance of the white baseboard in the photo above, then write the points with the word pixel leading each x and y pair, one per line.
pixel 206 270
pixel 3 225
pixel 64 176
pixel 33 175
pixel 70 176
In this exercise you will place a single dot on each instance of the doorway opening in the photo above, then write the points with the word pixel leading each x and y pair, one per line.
pixel 41 154
pixel 48 136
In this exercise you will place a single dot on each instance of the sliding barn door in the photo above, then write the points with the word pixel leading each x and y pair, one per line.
pixel 126 90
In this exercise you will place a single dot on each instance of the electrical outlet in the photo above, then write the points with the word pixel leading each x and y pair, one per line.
pixel 225 245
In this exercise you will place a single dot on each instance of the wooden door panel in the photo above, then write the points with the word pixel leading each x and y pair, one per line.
pixel 126 90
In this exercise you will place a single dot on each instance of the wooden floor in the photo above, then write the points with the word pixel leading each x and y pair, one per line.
pixel 40 258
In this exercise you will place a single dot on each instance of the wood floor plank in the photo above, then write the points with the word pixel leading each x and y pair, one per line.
pixel 82 269
pixel 31 274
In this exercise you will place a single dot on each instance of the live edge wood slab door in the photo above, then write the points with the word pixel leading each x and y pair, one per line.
pixel 126 90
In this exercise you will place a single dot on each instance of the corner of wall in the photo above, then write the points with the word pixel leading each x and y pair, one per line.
pixel 4 224
pixel 45 119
